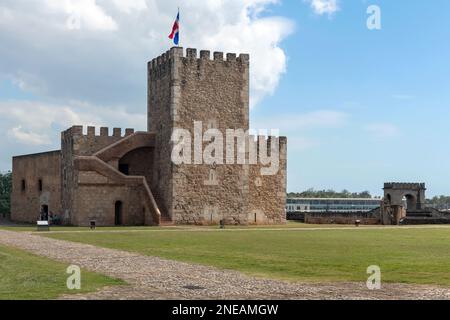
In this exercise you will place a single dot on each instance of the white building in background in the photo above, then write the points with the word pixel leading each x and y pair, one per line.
pixel 311 205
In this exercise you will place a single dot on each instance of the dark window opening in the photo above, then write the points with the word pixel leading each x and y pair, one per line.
pixel 24 185
pixel 124 168
pixel 44 213
pixel 118 213
pixel 40 185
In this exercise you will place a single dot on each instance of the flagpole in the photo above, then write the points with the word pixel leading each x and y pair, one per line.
pixel 179 29
pixel 175 35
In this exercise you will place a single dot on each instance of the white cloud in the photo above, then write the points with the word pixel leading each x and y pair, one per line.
pixel 39 124
pixel 96 51
pixel 28 137
pixel 382 131
pixel 102 58
pixel 268 60
pixel 322 7
pixel 5 15
pixel 128 6
pixel 82 13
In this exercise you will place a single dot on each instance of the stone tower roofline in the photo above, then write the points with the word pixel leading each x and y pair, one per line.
pixel 191 54
pixel 104 132
pixel 404 185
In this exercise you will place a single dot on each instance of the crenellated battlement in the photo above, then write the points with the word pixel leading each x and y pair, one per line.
pixel 162 63
pixel 256 141
pixel 86 143
pixel 404 185
pixel 104 132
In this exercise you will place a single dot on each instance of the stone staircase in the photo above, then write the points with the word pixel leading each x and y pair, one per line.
pixel 165 219
pixel 426 216
pixel 102 161
pixel 93 163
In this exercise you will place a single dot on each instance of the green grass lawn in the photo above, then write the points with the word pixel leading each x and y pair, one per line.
pixel 24 276
pixel 290 225
pixel 419 255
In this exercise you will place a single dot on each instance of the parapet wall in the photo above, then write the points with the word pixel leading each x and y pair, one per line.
pixel 162 64
pixel 88 144
pixel 104 132
pixel 277 143
pixel 404 185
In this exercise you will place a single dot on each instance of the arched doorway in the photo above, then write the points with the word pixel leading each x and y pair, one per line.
pixel 118 208
pixel 410 202
pixel 388 198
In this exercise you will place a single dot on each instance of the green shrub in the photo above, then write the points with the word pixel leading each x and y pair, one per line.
pixel 5 193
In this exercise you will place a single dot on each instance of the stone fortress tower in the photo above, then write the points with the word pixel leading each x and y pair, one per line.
pixel 132 180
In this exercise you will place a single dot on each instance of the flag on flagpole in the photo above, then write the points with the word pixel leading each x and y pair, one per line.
pixel 175 35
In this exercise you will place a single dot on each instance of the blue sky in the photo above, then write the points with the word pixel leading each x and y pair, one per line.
pixel 359 107
pixel 393 85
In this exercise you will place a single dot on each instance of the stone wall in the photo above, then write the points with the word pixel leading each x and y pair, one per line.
pixel 93 186
pixel 140 163
pixel 163 87
pixel 100 186
pixel 214 91
pixel 395 192
pixel 90 143
pixel 268 192
pixel 26 203
pixel 371 218
pixel 97 202
pixel 182 90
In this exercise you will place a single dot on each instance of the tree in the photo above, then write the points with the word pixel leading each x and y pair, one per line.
pixel 5 193
pixel 441 202
pixel 330 193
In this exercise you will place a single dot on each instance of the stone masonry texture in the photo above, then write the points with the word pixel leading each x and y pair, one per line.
pixel 129 178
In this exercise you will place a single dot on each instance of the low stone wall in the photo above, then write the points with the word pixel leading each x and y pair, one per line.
pixel 295 216
pixel 341 218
